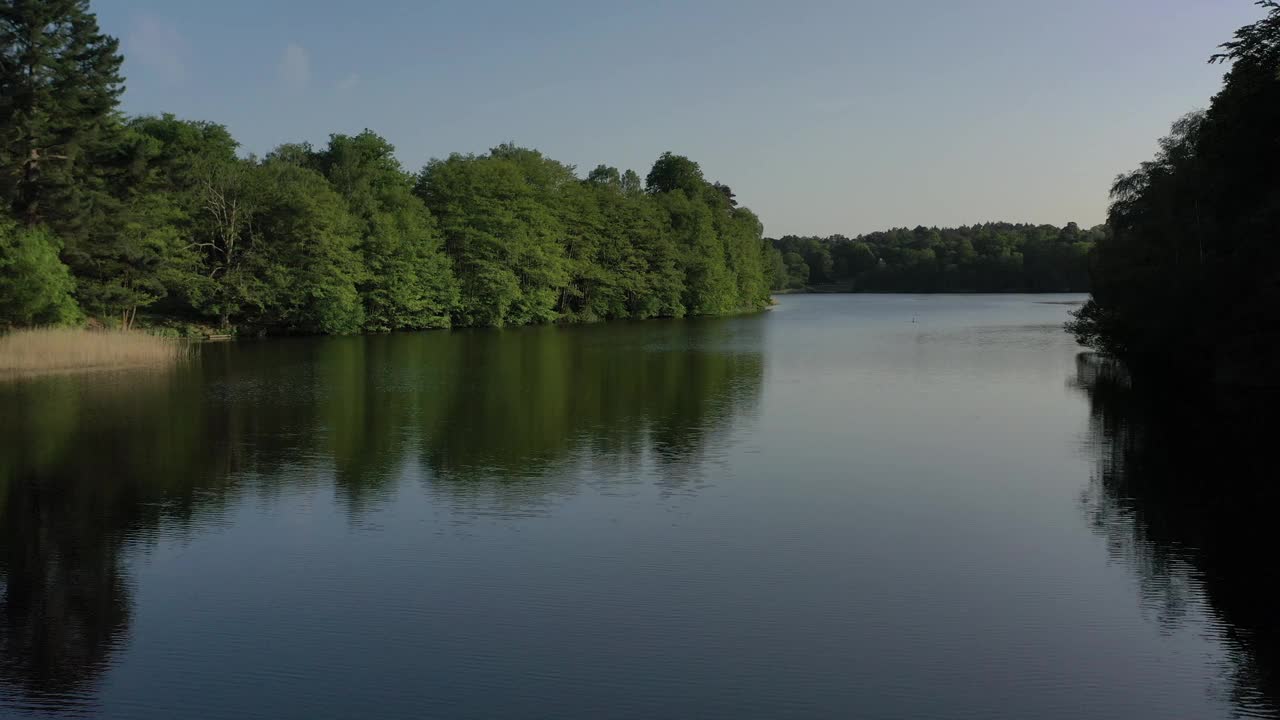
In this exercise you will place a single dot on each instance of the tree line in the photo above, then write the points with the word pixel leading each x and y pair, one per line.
pixel 107 216
pixel 992 257
pixel 1187 280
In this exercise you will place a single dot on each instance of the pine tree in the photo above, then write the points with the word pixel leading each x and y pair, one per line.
pixel 59 86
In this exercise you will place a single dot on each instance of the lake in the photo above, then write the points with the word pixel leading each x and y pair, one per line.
pixel 849 506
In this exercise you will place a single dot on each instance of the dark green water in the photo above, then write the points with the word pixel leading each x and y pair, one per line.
pixel 850 506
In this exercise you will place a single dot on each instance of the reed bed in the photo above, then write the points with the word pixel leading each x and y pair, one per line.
pixel 41 350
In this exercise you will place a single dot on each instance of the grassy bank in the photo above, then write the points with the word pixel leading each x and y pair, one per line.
pixel 43 350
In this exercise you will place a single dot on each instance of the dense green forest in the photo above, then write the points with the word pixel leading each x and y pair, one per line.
pixel 994 257
pixel 104 216
pixel 1188 278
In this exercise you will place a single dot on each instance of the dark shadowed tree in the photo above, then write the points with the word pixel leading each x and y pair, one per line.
pixel 1187 279
pixel 675 172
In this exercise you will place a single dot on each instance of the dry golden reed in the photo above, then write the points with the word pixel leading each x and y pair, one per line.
pixel 40 350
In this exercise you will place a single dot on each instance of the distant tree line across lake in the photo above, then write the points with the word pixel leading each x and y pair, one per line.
pixel 108 216
pixel 992 257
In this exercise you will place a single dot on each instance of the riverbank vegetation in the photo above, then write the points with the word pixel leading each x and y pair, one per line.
pixel 115 218
pixel 992 257
pixel 40 350
pixel 1187 281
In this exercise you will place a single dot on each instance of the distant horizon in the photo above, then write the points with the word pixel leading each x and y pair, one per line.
pixel 828 236
pixel 823 118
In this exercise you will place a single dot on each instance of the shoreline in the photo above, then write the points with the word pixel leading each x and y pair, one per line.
pixel 819 290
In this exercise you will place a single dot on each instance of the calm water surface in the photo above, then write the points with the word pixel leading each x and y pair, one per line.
pixel 850 506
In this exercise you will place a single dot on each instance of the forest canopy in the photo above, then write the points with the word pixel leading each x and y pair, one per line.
pixel 110 216
pixel 993 257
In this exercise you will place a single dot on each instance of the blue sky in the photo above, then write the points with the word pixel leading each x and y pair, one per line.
pixel 824 116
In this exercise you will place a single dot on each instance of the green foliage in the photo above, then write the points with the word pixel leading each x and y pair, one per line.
pixel 163 246
pixel 675 172
pixel 797 270
pixel 409 281
pixel 719 244
pixel 656 286
pixel 746 254
pixel 35 286
pixel 533 243
pixel 501 233
pixel 709 285
pixel 778 277
pixel 995 257
pixel 65 154
pixel 159 214
pixel 1186 281
pixel 74 164
pixel 225 197
pixel 60 82
pixel 306 261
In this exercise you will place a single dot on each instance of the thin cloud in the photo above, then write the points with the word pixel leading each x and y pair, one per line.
pixel 348 82
pixel 295 68
pixel 156 44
